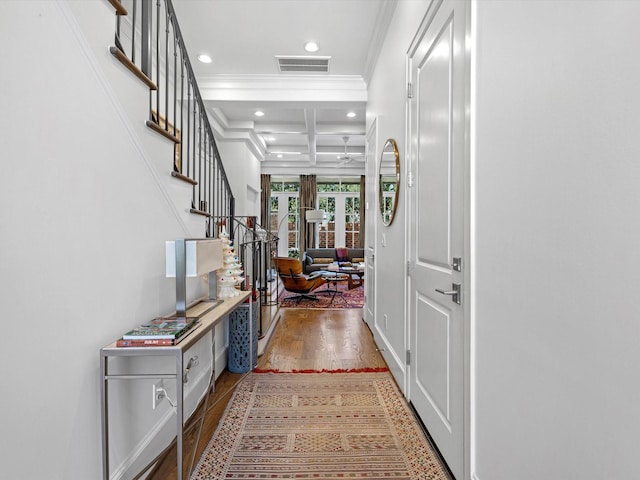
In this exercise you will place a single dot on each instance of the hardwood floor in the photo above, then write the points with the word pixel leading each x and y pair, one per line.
pixel 321 340
pixel 304 339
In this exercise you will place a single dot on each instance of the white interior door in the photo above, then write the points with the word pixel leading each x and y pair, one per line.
pixel 437 229
pixel 371 219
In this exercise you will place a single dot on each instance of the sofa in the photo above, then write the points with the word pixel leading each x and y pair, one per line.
pixel 315 259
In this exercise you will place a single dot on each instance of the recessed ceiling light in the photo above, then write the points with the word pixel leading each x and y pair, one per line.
pixel 279 155
pixel 259 113
pixel 204 58
pixel 271 139
pixel 351 114
pixel 311 47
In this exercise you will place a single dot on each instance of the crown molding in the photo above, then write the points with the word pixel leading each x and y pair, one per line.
pixel 289 88
pixel 226 131
pixel 383 21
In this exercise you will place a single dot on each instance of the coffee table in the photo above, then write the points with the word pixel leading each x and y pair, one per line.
pixel 354 272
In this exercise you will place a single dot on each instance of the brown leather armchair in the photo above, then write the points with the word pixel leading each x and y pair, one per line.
pixel 290 272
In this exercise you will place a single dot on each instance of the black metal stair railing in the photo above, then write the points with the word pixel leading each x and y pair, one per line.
pixel 254 246
pixel 148 35
pixel 149 42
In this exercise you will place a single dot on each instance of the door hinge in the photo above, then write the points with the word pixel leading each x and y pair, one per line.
pixel 410 179
pixel 408 357
pixel 409 268
pixel 409 90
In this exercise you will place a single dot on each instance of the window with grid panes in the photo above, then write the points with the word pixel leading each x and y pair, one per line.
pixel 340 199
pixel 284 214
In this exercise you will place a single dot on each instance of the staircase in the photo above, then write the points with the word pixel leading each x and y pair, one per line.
pixel 148 43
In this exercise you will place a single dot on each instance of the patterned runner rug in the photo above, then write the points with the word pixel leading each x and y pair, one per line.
pixel 343 298
pixel 318 426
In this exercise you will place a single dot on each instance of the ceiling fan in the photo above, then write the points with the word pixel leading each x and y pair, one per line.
pixel 346 158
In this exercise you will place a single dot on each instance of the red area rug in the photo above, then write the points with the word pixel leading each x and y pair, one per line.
pixel 318 426
pixel 343 298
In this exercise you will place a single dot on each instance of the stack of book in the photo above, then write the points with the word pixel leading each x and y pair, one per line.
pixel 159 332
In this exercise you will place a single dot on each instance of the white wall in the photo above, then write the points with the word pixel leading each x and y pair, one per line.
pixel 86 204
pixel 555 254
pixel 243 170
pixel 557 166
pixel 84 213
pixel 386 103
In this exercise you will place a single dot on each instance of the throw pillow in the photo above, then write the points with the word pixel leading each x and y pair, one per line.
pixel 323 261
pixel 341 253
pixel 357 260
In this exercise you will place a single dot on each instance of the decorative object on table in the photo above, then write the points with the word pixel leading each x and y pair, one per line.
pixel 230 275
pixel 162 342
pixel 161 331
pixel 318 425
pixel 354 272
pixel 193 258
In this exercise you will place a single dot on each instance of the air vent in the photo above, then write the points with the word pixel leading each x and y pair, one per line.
pixel 304 64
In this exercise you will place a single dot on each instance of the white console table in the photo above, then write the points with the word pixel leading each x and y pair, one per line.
pixel 210 313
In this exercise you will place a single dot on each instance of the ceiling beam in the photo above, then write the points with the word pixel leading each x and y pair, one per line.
pixel 283 88
pixel 310 121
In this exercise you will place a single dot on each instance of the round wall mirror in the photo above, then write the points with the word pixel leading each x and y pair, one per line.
pixel 389 181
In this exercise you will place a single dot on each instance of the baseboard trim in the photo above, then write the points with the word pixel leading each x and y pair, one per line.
pixel 221 361
pixel 164 430
pixel 131 461
pixel 264 341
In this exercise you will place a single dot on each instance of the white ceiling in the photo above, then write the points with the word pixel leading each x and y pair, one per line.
pixel 305 113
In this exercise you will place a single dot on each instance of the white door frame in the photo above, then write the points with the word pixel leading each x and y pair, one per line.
pixel 371 224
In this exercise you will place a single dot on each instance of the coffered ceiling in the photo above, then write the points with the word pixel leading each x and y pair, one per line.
pixel 305 123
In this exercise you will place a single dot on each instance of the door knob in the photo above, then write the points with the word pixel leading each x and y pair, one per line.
pixel 454 293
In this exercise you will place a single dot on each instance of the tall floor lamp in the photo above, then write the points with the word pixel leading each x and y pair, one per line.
pixel 312 215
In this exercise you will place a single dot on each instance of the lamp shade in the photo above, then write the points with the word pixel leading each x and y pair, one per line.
pixel 315 216
pixel 201 256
